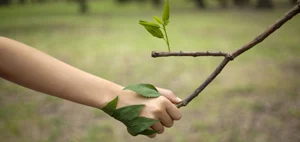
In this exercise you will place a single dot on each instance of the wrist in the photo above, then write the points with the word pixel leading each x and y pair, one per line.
pixel 107 93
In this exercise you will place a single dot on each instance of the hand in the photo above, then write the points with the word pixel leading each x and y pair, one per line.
pixel 161 108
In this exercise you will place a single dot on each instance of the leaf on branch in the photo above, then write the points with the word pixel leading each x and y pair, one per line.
pixel 166 13
pixel 152 28
pixel 146 23
pixel 158 20
pixel 146 90
pixel 111 106
pixel 128 113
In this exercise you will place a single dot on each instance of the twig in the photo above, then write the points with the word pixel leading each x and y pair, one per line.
pixel 289 15
pixel 192 54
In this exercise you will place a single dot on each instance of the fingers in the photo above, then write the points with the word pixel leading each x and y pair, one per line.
pixel 174 112
pixel 166 117
pixel 153 135
pixel 169 95
pixel 158 127
pixel 166 120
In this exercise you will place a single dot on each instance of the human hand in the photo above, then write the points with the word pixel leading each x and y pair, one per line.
pixel 161 108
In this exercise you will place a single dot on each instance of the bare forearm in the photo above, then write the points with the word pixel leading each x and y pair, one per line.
pixel 31 68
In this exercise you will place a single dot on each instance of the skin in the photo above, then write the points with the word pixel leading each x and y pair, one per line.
pixel 31 68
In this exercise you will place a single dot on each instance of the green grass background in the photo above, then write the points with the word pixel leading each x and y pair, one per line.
pixel 255 98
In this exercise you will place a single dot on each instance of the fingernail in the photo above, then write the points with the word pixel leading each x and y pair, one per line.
pixel 178 99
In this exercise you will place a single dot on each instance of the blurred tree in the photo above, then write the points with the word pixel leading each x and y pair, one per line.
pixel 293 2
pixel 223 3
pixel 156 3
pixel 41 1
pixel 122 1
pixel 200 3
pixel 83 8
pixel 241 3
pixel 4 2
pixel 22 1
pixel 264 4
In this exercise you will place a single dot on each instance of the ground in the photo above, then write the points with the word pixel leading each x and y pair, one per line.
pixel 255 98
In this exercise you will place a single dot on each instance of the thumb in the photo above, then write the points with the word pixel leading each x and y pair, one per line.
pixel 169 95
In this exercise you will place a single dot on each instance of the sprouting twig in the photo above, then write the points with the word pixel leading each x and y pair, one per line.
pixel 228 57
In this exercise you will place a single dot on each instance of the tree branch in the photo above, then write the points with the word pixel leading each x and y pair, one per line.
pixel 192 54
pixel 228 57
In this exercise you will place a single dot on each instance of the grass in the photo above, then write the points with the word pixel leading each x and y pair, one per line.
pixel 255 98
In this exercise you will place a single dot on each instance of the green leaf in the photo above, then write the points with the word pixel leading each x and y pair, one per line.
pixel 166 12
pixel 148 132
pixel 146 90
pixel 139 124
pixel 111 106
pixel 131 132
pixel 127 113
pixel 158 20
pixel 156 32
pixel 152 28
pixel 151 24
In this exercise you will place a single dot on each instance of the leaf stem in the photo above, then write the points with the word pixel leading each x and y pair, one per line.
pixel 167 39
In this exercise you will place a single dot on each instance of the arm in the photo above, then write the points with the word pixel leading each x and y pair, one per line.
pixel 36 70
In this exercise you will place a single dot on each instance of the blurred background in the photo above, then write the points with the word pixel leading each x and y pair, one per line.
pixel 255 98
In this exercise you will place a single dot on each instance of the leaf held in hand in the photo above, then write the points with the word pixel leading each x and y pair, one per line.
pixel 166 12
pixel 111 106
pixel 158 20
pixel 146 90
pixel 128 113
pixel 139 124
pixel 148 132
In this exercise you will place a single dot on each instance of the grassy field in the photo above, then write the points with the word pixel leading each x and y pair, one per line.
pixel 256 97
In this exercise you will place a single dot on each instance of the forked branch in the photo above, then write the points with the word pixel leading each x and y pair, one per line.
pixel 228 56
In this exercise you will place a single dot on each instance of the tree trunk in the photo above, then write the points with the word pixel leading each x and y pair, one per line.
pixel 200 4
pixel 264 4
pixel 83 8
